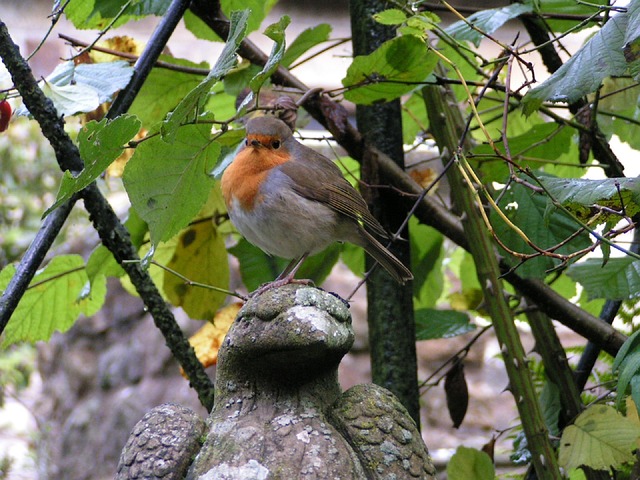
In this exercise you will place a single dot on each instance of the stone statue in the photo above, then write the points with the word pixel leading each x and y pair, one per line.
pixel 279 411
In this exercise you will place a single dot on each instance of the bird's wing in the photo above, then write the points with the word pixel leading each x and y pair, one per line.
pixel 319 179
pixel 381 432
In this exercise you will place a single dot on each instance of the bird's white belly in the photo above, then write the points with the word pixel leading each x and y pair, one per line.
pixel 287 225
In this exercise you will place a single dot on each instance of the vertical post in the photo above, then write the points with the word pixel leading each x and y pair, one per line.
pixel 391 320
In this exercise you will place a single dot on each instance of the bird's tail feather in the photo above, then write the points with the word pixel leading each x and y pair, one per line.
pixel 385 258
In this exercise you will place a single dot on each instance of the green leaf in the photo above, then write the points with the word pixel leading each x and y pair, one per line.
pixel 580 10
pixel 258 10
pixel 308 39
pixel 551 406
pixel 432 323
pixel 540 143
pixel 100 143
pixel 199 28
pixel 392 16
pixel 628 361
pixel 600 438
pixel 168 183
pixel 618 98
pixel 470 464
pixel 487 21
pixel 619 279
pixel 258 267
pixel 631 345
pixel 163 90
pixel 584 72
pixel 98 14
pixel 415 122
pixel 194 101
pixel 389 72
pixel 629 369
pixel 545 228
pixel 580 195
pixel 102 263
pixel 275 32
pixel 427 255
pixel 58 294
pixel 162 254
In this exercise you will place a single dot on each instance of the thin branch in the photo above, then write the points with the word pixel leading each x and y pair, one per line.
pixel 130 56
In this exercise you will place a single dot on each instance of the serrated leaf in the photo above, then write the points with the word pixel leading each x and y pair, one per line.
pixel 545 227
pixel 100 14
pixel 168 183
pixel 200 256
pixel 100 143
pixel 163 90
pixel 58 294
pixel 307 39
pixel 194 101
pixel 105 78
pixel 82 88
pixel 470 464
pixel 275 32
pixel 579 195
pixel 600 438
pixel 389 72
pixel 619 279
pixel 392 16
pixel 583 73
pixel 69 99
pixel 487 21
pixel 432 323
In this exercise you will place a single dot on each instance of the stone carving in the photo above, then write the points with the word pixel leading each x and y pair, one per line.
pixel 279 411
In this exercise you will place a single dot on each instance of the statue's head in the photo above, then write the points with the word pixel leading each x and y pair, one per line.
pixel 291 333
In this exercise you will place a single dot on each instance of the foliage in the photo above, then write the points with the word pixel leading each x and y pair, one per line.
pixel 528 154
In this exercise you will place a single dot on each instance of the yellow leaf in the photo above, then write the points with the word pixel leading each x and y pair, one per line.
pixel 201 257
pixel 206 341
pixel 600 438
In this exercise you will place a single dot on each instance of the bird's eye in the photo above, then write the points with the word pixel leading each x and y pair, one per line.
pixel 275 144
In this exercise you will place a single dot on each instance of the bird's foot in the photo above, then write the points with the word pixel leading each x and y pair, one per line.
pixel 279 283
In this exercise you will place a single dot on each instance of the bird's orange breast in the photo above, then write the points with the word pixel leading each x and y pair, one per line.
pixel 248 171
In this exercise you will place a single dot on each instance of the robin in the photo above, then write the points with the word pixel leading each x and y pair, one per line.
pixel 292 202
